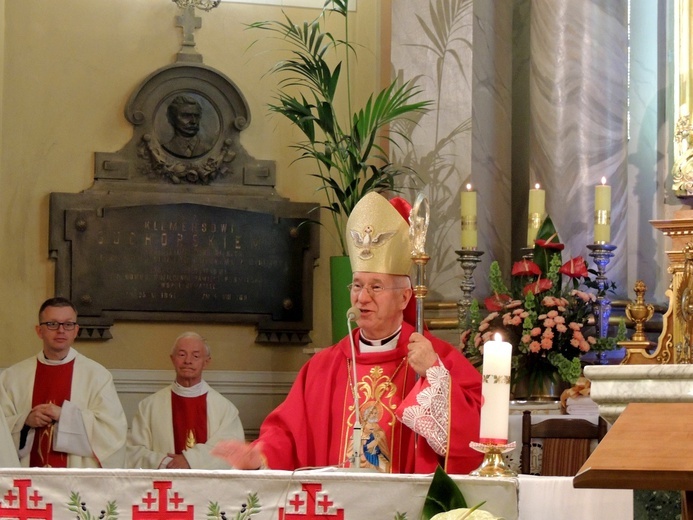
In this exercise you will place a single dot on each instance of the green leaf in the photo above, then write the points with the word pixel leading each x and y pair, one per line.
pixel 443 495
pixel 542 256
pixel 347 150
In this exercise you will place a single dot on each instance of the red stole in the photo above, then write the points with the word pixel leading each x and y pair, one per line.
pixel 189 416
pixel 52 384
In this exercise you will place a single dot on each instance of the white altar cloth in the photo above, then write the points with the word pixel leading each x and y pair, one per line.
pixel 88 494
pixel 554 498
pixel 47 494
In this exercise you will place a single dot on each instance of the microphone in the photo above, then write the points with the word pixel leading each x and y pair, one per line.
pixel 353 314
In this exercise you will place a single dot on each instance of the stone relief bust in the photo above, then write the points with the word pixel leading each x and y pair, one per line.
pixel 191 131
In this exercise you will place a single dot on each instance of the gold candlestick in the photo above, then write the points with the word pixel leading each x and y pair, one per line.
pixel 640 350
pixel 493 464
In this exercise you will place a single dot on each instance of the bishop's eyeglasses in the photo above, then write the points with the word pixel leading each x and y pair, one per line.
pixel 55 325
pixel 372 289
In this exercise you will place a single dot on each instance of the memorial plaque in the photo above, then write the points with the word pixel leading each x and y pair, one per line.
pixel 186 262
pixel 182 223
pixel 173 257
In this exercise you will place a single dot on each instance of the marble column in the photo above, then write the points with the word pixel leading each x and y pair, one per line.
pixel 578 116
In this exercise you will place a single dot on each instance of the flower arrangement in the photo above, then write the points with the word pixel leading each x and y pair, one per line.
pixel 546 314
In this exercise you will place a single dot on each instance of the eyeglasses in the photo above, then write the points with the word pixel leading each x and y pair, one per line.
pixel 371 289
pixel 55 325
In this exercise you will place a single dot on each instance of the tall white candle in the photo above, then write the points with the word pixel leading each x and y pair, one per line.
pixel 602 213
pixel 495 392
pixel 468 218
pixel 535 216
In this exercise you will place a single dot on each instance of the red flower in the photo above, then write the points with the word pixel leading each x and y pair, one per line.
pixel 541 285
pixel 575 268
pixel 497 302
pixel 547 244
pixel 525 268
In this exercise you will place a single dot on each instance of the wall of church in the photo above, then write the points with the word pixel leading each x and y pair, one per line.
pixel 68 69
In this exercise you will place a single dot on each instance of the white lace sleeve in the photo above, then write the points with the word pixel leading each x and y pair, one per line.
pixel 430 416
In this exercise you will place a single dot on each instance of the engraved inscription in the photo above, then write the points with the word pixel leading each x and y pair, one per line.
pixel 188 257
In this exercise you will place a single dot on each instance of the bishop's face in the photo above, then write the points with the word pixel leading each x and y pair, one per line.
pixel 381 298
pixel 57 343
pixel 189 359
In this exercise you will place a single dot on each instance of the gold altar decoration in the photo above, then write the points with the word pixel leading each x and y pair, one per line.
pixel 638 347
pixel 674 343
pixel 682 171
pixel 418 227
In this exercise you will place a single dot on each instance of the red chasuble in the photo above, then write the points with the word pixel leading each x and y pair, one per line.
pixel 52 384
pixel 313 426
pixel 189 421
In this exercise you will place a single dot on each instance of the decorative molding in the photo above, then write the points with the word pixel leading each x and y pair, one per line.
pixel 316 4
pixel 223 381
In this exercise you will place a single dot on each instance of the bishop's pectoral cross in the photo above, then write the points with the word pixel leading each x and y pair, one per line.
pixel 189 22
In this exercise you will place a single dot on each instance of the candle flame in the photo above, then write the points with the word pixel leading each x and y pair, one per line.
pixel 469 187
pixel 537 186
pixel 497 337
pixel 603 181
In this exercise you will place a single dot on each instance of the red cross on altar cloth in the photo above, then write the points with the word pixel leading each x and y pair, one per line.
pixel 311 503
pixel 157 507
pixel 23 511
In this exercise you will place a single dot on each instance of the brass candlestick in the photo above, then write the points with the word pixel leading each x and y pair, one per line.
pixel 493 464
pixel 637 347
pixel 468 259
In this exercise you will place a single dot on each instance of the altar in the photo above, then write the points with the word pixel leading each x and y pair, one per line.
pixel 89 494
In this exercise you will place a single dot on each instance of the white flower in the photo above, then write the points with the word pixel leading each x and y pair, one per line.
pixel 464 514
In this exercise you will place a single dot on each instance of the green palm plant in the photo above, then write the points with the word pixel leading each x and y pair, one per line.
pixel 348 154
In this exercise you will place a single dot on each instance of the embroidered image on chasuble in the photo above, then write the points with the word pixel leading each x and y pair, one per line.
pixel 380 393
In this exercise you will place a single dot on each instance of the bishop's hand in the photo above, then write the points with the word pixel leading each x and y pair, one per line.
pixel 421 355
pixel 239 454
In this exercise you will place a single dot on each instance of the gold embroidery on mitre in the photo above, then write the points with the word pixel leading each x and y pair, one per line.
pixel 366 240
pixel 378 237
pixel 190 441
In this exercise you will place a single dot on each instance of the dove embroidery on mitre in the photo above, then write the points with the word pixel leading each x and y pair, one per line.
pixel 367 240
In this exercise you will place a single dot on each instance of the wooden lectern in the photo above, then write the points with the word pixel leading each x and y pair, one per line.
pixel 650 446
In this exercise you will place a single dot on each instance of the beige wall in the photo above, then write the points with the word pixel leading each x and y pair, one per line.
pixel 68 68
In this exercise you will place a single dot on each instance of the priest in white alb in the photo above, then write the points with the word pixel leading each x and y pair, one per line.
pixel 61 407
pixel 8 455
pixel 176 427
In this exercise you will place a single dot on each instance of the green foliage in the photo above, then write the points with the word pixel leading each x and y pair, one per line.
pixel 611 342
pixel 496 279
pixel 248 509
pixel 349 160
pixel 77 506
pixel 443 495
